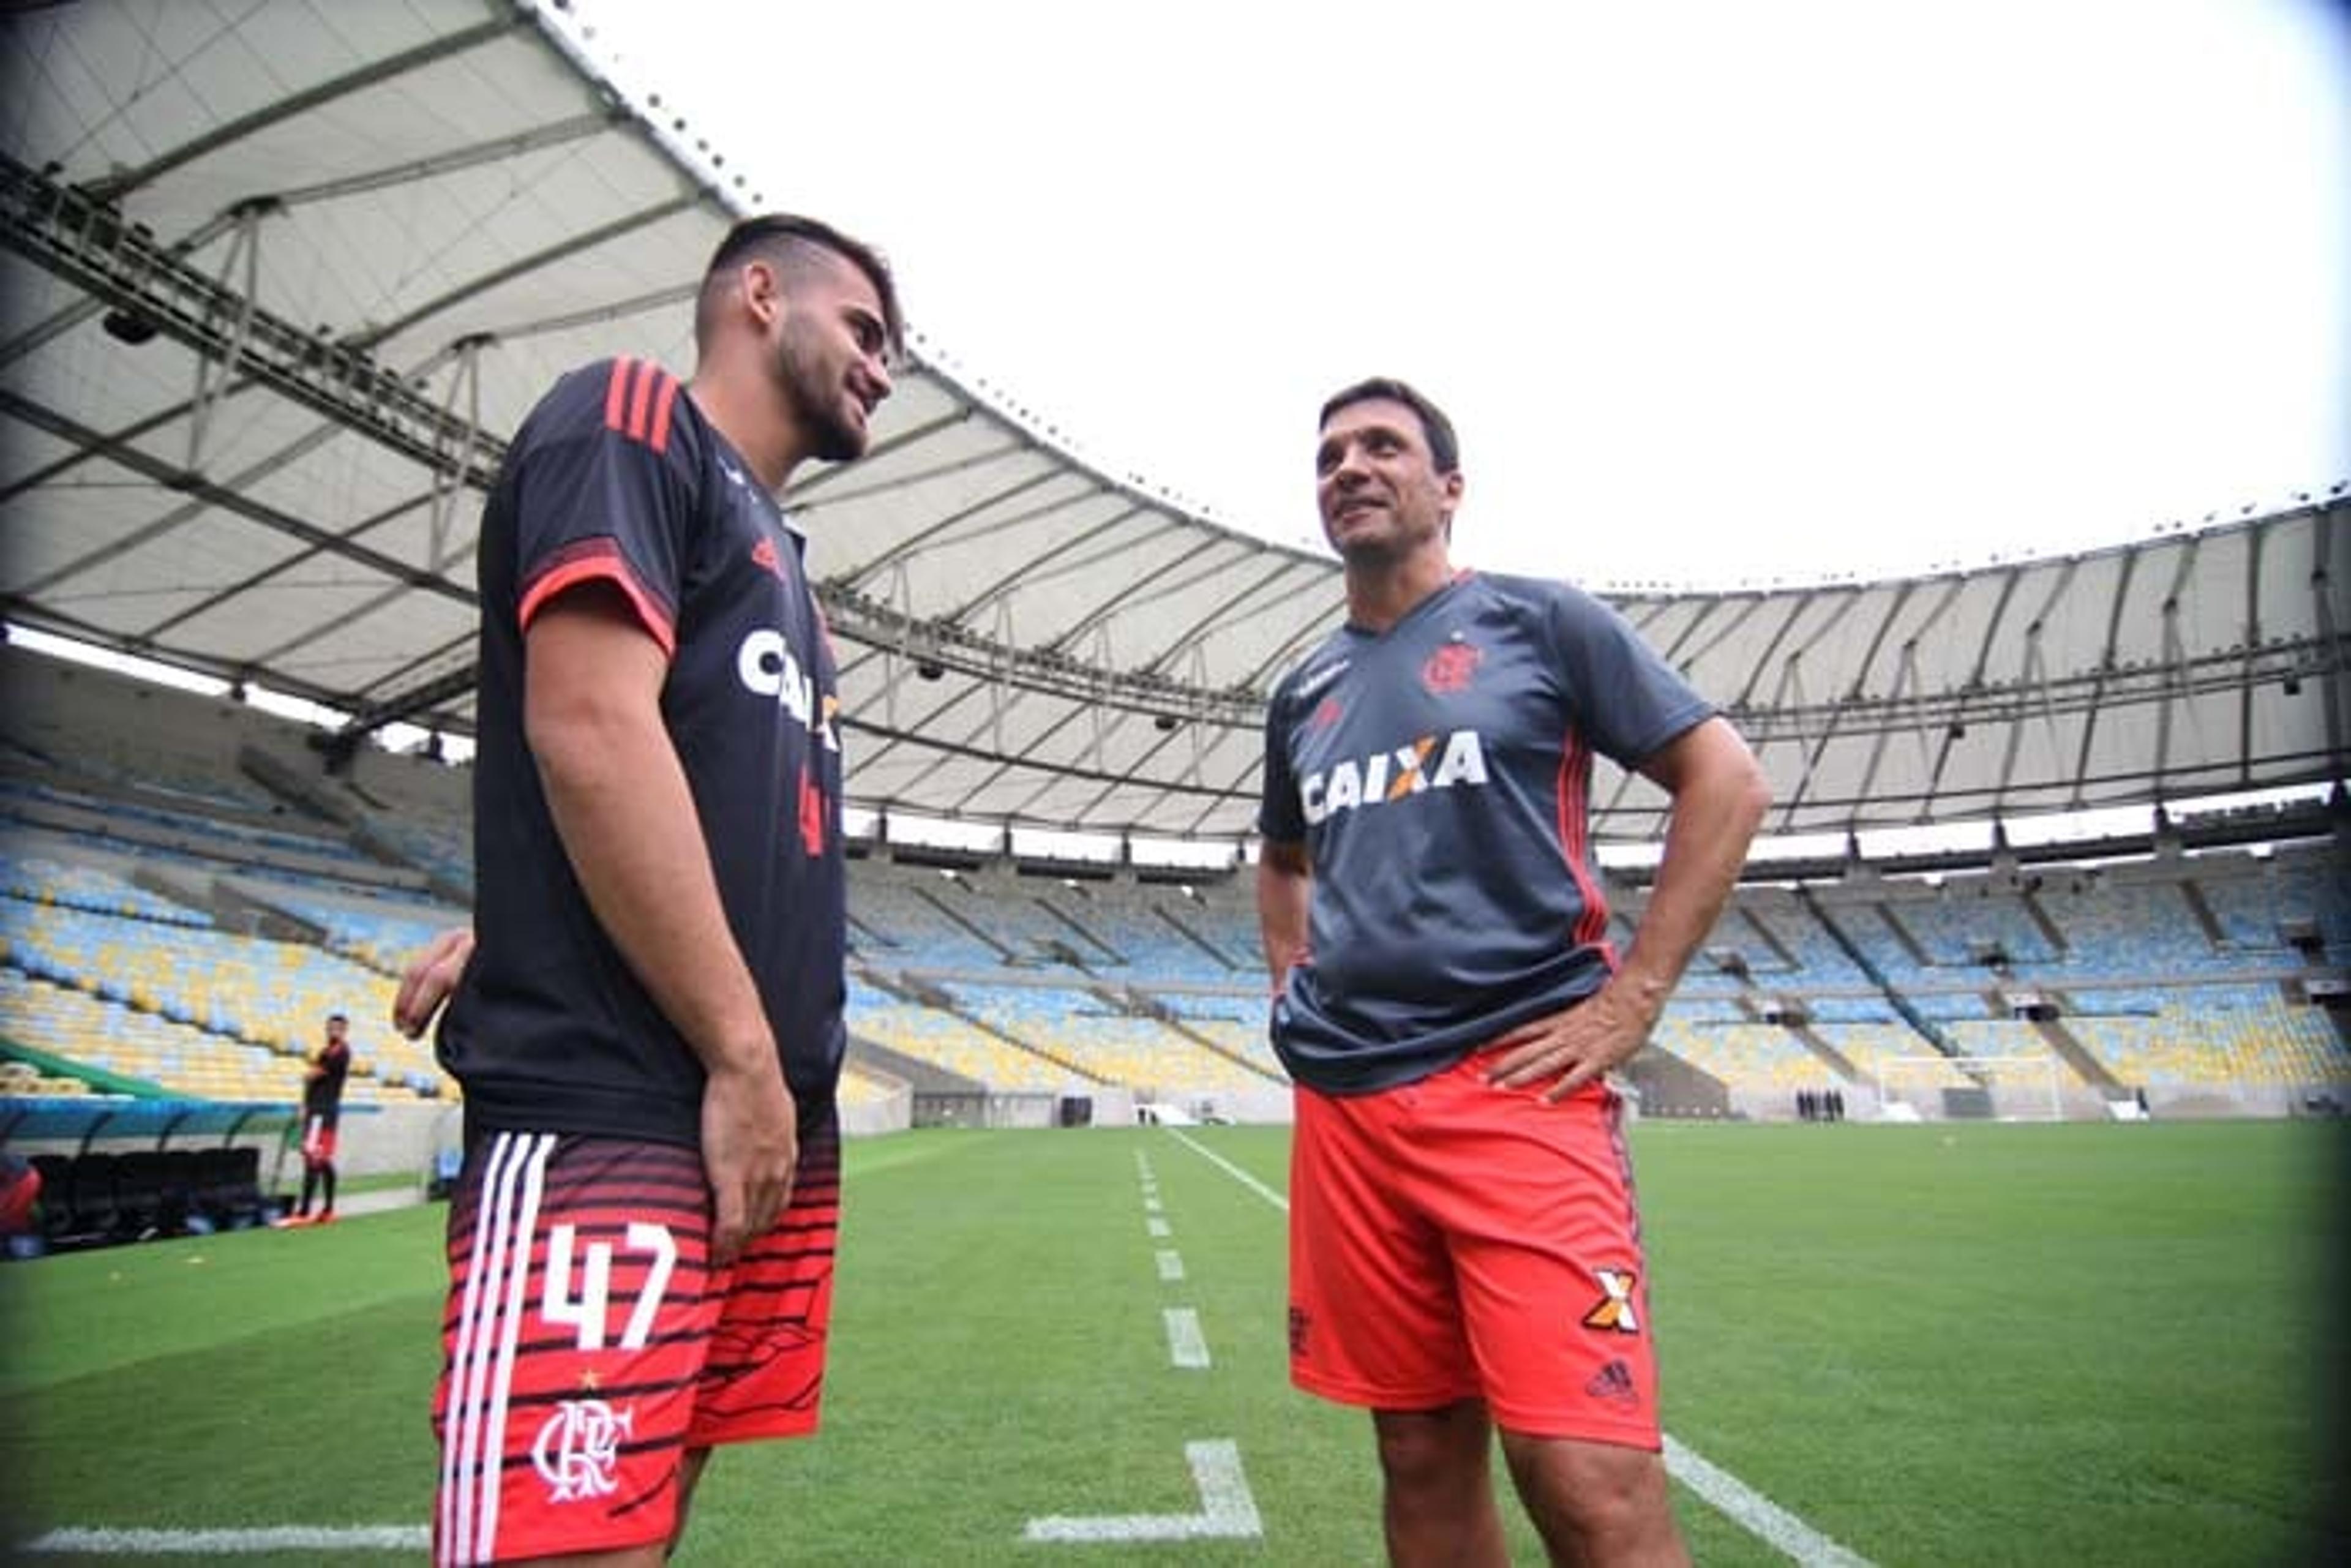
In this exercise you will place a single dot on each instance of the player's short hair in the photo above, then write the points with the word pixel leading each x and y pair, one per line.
pixel 793 245
pixel 338 1017
pixel 1443 446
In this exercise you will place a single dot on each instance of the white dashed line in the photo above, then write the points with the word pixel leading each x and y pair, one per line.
pixel 1188 1347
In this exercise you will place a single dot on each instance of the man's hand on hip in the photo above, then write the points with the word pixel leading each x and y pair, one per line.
pixel 1577 1047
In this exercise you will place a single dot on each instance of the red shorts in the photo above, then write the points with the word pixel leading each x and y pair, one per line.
pixel 1452 1241
pixel 317 1141
pixel 589 1343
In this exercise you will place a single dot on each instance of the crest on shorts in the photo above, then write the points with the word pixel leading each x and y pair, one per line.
pixel 1450 668
pixel 578 1452
pixel 1614 1311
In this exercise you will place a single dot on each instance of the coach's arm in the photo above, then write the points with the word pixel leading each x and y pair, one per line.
pixel 1719 796
pixel 1285 887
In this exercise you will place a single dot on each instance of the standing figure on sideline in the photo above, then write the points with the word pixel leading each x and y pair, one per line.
pixel 322 1114
pixel 649 1031
pixel 1465 1253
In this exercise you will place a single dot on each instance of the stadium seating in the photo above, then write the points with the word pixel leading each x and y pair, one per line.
pixel 2215 1035
pixel 1234 1024
pixel 176 915
pixel 1105 1044
pixel 1756 1056
pixel 184 1006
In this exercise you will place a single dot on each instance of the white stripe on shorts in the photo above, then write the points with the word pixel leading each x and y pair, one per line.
pixel 534 1181
pixel 481 1360
pixel 457 1427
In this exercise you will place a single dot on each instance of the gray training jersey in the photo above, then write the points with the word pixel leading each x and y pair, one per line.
pixel 1440 774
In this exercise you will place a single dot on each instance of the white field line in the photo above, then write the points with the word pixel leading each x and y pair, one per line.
pixel 1755 1514
pixel 1188 1347
pixel 230 1543
pixel 1734 1499
pixel 1227 1512
pixel 1171 1264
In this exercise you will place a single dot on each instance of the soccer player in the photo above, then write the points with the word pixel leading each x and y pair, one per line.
pixel 322 1113
pixel 1465 1254
pixel 647 1023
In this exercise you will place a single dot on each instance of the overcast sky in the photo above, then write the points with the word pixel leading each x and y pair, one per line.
pixel 1715 293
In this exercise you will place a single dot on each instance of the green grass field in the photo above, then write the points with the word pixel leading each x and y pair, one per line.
pixel 1986 1344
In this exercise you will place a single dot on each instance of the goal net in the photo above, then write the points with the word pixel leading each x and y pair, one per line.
pixel 1974 1088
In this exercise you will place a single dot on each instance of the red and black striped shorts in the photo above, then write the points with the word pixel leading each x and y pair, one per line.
pixel 589 1343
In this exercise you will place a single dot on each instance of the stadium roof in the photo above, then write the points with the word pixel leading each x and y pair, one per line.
pixel 277 280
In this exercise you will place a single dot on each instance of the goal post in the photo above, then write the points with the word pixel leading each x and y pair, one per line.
pixel 1974 1088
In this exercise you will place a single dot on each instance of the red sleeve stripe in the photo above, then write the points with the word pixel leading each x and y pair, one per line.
pixel 659 440
pixel 616 392
pixel 1575 844
pixel 641 402
pixel 601 561
pixel 637 402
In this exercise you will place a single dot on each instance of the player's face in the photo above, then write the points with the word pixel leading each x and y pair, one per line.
pixel 336 1030
pixel 831 360
pixel 1381 495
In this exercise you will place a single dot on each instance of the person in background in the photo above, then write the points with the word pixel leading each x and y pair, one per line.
pixel 322 1116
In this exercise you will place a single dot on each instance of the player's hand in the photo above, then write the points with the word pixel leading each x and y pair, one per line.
pixel 429 978
pixel 1576 1048
pixel 750 1143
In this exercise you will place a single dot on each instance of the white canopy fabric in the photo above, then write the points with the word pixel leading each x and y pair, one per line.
pixel 278 279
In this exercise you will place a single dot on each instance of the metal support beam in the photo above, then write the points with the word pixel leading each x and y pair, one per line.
pixel 236 297
pixel 448 481
pixel 91 245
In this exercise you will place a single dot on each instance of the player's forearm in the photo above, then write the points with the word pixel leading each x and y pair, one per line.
pixel 622 805
pixel 1283 891
pixel 1720 798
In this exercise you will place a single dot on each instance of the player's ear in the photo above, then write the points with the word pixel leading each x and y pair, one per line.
pixel 1449 486
pixel 763 291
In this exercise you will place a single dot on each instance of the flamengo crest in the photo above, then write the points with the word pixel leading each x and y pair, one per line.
pixel 1450 668
pixel 578 1452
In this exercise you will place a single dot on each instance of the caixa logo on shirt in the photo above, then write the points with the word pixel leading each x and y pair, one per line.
pixel 1386 776
pixel 767 667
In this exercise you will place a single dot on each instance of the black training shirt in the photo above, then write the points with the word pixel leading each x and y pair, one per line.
pixel 617 477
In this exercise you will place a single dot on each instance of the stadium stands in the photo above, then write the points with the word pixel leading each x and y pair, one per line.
pixel 184 896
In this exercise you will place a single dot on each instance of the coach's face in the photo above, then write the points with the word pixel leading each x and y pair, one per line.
pixel 830 358
pixel 1381 495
